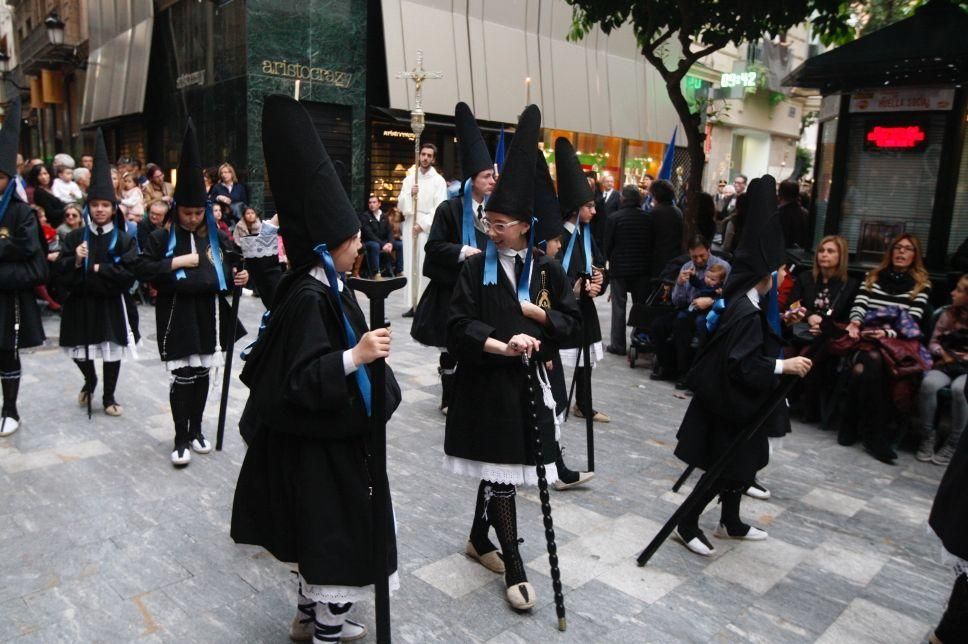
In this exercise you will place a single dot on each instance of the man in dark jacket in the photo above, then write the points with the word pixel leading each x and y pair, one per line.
pixel 378 238
pixel 666 226
pixel 793 217
pixel 628 243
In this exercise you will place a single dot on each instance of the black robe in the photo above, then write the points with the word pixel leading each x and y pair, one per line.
pixel 442 265
pixel 949 514
pixel 23 265
pixel 589 314
pixel 731 378
pixel 487 420
pixel 185 309
pixel 93 311
pixel 303 491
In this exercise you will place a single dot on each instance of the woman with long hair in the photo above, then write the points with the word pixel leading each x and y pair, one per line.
pixel 41 181
pixel 825 291
pixel 901 281
pixel 230 193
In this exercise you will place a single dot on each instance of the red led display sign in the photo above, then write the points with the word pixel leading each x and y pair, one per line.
pixel 894 137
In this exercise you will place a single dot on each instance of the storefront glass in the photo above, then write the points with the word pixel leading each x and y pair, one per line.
pixel 641 158
pixel 600 153
pixel 959 217
pixel 824 176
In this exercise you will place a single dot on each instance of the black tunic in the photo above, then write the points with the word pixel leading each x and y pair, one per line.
pixel 731 378
pixel 949 514
pixel 93 312
pixel 589 314
pixel 303 491
pixel 442 265
pixel 487 420
pixel 23 265
pixel 185 309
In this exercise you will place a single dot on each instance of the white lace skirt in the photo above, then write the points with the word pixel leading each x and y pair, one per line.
pixel 343 594
pixel 107 351
pixel 572 357
pixel 206 360
pixel 498 472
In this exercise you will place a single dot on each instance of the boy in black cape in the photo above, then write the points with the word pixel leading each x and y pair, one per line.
pixel 456 235
pixel 190 263
pixel 734 374
pixel 23 265
pixel 582 261
pixel 97 267
pixel 303 492
pixel 493 321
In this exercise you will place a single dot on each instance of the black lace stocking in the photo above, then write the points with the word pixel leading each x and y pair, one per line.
pixel 480 526
pixel 503 515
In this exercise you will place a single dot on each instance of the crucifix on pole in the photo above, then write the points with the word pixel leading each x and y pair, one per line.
pixel 418 75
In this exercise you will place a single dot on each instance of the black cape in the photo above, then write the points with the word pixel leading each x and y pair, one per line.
pixel 23 265
pixel 93 311
pixel 949 514
pixel 589 314
pixel 442 265
pixel 303 491
pixel 185 309
pixel 731 378
pixel 487 420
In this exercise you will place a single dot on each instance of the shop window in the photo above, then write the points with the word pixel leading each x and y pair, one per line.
pixel 599 153
pixel 959 215
pixel 641 158
pixel 824 176
pixel 889 184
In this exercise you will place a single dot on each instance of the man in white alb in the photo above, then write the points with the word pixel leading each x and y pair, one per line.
pixel 430 192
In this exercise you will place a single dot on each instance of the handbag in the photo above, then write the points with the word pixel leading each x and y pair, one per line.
pixel 903 357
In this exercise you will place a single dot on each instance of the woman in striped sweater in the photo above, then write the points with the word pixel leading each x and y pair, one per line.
pixel 899 280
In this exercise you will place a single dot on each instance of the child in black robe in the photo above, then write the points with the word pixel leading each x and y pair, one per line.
pixel 23 265
pixel 97 268
pixel 304 490
pixel 733 375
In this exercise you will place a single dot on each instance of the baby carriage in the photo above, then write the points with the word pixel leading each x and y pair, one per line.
pixel 641 317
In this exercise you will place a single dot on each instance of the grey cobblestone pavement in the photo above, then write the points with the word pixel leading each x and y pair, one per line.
pixel 102 540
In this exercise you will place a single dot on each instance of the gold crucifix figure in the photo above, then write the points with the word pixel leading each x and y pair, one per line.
pixel 418 75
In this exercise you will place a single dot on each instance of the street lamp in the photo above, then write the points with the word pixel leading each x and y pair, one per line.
pixel 55 28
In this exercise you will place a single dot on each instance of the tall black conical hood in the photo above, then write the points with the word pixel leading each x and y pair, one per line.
pixel 573 188
pixel 514 193
pixel 102 187
pixel 474 156
pixel 761 247
pixel 546 207
pixel 312 205
pixel 10 138
pixel 190 191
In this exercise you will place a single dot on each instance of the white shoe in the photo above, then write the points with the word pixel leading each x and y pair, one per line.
pixel 181 456
pixel 583 477
pixel 8 425
pixel 698 544
pixel 753 534
pixel 757 491
pixel 521 596
pixel 352 631
pixel 200 445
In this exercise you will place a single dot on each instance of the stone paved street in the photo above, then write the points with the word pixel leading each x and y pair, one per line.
pixel 102 540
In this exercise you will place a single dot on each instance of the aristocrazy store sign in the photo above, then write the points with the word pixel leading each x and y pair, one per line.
pixel 306 73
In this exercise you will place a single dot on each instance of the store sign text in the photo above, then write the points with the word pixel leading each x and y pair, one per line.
pixel 902 100
pixel 306 73
pixel 738 79
pixel 189 79
pixel 897 137
pixel 399 134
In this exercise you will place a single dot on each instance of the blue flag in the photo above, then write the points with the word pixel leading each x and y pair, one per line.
pixel 665 171
pixel 500 151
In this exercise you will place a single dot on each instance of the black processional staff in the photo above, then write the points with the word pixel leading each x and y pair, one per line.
pixel 709 479
pixel 234 260
pixel 584 359
pixel 377 292
pixel 543 494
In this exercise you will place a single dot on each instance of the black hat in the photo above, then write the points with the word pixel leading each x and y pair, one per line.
pixel 102 187
pixel 313 207
pixel 10 138
pixel 761 248
pixel 514 193
pixel 474 156
pixel 573 188
pixel 546 207
pixel 190 191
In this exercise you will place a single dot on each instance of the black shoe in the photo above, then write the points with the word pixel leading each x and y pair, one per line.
pixel 681 385
pixel 614 351
pixel 954 622
pixel 408 314
pixel 883 453
pixel 661 374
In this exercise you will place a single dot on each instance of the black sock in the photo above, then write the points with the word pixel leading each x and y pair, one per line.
pixel 480 526
pixel 583 394
pixel 730 496
pixel 181 395
pixel 688 525
pixel 111 372
pixel 90 376
pixel 200 398
pixel 502 512
pixel 10 382
pixel 565 475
